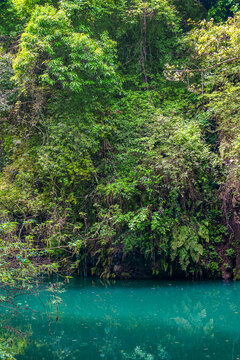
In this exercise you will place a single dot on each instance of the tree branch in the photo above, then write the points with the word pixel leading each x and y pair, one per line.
pixel 206 69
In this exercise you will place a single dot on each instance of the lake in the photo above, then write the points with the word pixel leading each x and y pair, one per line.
pixel 150 320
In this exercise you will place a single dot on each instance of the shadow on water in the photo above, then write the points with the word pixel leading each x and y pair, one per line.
pixel 137 320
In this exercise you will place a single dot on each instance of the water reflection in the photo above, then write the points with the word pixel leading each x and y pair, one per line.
pixel 137 320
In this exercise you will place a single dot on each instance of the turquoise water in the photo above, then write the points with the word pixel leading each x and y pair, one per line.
pixel 150 320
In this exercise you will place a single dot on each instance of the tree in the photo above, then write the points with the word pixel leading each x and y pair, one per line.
pixel 220 10
pixel 214 54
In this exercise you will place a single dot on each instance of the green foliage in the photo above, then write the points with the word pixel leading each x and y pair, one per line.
pixel 144 214
pixel 51 53
pixel 10 23
pixel 217 47
pixel 221 9
pixel 106 165
pixel 6 352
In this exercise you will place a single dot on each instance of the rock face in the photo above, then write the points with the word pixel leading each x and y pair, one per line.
pixel 237 265
pixel 227 275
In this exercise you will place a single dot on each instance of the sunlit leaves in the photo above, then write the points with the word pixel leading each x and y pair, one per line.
pixel 51 53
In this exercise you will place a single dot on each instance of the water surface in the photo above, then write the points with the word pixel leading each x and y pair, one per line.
pixel 152 320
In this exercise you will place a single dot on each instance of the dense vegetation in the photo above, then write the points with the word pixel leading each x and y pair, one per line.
pixel 119 143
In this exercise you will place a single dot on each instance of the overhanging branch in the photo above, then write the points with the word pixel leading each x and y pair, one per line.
pixel 206 69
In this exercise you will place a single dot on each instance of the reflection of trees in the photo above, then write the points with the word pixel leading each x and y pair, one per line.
pixel 11 343
pixel 139 320
pixel 18 311
pixel 139 354
pixel 185 320
pixel 13 335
